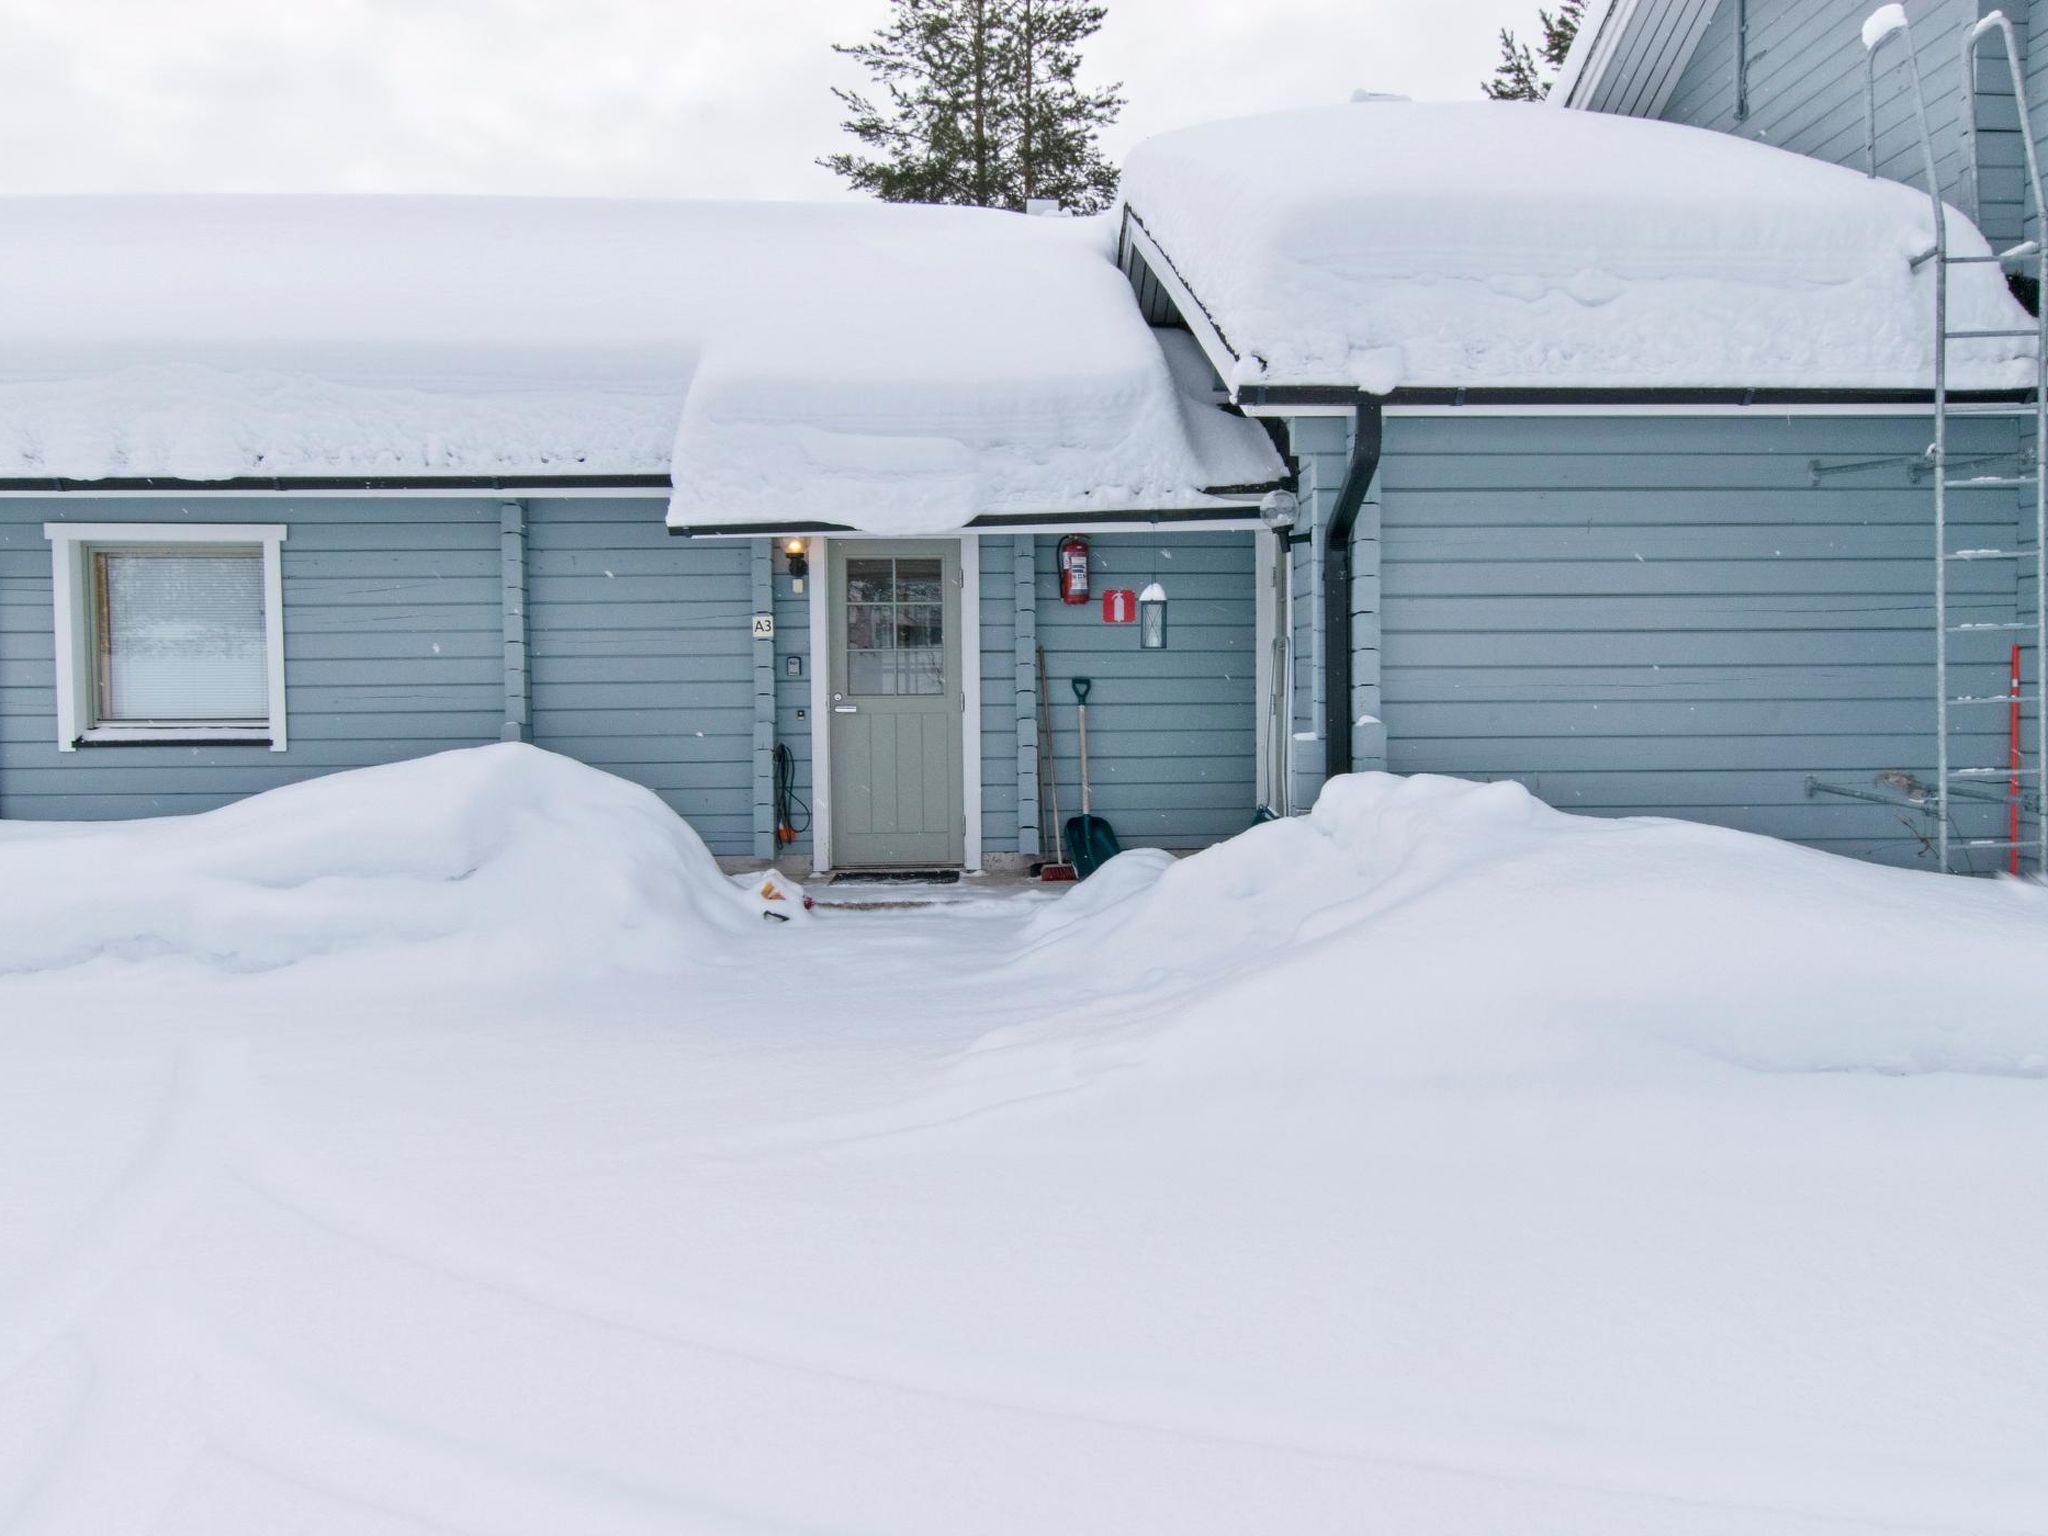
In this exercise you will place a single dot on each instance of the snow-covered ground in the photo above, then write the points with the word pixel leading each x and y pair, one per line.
pixel 449 1148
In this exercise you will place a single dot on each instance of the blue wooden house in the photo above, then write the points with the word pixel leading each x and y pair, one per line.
pixel 1473 439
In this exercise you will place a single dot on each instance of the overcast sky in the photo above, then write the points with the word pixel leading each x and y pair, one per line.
pixel 624 97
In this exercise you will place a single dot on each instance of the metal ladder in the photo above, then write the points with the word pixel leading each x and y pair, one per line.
pixel 2017 785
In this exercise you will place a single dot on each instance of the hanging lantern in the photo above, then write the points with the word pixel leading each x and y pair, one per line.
pixel 1152 618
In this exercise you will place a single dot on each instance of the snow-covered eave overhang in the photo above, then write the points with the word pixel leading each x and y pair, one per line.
pixel 1236 507
pixel 341 485
pixel 1629 54
pixel 1134 239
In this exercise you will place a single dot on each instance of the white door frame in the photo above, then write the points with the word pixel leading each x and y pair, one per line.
pixel 821 698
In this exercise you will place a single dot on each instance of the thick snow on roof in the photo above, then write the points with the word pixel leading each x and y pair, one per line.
pixel 878 366
pixel 1494 244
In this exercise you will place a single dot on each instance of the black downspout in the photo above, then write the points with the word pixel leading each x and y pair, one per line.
pixel 1365 463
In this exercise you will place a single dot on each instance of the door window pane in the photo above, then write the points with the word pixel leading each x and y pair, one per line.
pixel 868 581
pixel 180 636
pixel 895 627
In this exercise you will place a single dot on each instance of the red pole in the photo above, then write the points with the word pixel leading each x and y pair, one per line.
pixel 2012 810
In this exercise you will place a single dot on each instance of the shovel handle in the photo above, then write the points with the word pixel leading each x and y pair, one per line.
pixel 1081 687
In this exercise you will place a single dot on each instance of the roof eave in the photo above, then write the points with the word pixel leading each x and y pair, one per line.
pixel 638 484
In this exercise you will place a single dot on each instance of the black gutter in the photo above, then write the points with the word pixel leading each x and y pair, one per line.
pixel 997 520
pixel 1341 395
pixel 1366 444
pixel 274 484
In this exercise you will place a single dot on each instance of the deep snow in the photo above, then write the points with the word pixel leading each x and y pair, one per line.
pixel 1437 1163
pixel 895 368
pixel 1495 244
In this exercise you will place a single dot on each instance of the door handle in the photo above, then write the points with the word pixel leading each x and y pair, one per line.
pixel 845 709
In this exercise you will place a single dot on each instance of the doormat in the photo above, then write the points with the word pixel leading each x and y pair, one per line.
pixel 898 877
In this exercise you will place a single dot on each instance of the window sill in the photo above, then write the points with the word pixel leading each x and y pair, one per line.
pixel 177 736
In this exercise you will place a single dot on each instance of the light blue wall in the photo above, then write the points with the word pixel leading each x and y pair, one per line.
pixel 642 656
pixel 1669 616
pixel 394 647
pixel 1806 74
pixel 1630 614
pixel 1170 733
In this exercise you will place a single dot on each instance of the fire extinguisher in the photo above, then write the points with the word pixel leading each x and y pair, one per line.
pixel 1073 569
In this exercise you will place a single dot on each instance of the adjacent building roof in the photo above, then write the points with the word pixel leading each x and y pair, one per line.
pixel 1628 54
pixel 877 367
pixel 1383 245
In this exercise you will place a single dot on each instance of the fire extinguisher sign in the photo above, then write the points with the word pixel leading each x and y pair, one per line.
pixel 1119 606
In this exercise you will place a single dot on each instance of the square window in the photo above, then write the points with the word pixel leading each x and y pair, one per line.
pixel 178 637
pixel 168 633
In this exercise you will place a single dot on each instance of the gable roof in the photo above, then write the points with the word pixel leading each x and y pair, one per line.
pixel 1505 245
pixel 1629 54
pixel 869 365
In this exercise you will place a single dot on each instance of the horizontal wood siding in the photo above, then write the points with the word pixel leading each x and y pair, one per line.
pixel 1806 73
pixel 1170 733
pixel 642 656
pixel 1669 616
pixel 394 647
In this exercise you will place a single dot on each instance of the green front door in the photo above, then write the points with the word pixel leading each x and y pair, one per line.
pixel 897 703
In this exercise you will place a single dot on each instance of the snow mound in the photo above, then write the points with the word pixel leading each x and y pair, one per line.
pixel 1499 244
pixel 1431 921
pixel 502 856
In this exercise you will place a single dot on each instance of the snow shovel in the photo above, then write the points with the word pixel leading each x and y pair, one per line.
pixel 1091 842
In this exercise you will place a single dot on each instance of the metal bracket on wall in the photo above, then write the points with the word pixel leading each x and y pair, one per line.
pixel 1919 465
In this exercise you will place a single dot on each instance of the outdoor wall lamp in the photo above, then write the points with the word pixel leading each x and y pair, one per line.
pixel 1152 618
pixel 799 562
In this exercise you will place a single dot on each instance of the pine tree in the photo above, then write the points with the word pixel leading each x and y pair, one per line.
pixel 1517 77
pixel 1057 117
pixel 983 106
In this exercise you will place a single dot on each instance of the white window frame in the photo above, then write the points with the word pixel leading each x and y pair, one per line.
pixel 71 545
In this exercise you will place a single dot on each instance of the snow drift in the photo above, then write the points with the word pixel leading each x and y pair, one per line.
pixel 501 856
pixel 1435 1164
pixel 1424 919
pixel 1499 244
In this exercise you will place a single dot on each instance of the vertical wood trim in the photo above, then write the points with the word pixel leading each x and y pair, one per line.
pixel 518 724
pixel 970 701
pixel 1024 610
pixel 64 584
pixel 1368 730
pixel 822 644
pixel 1266 552
pixel 1318 643
pixel 761 571
pixel 273 633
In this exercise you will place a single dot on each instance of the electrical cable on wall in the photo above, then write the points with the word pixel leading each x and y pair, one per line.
pixel 788 804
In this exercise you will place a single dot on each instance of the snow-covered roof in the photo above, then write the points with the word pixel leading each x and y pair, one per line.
pixel 1497 244
pixel 882 367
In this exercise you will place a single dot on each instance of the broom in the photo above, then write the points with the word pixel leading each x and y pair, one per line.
pixel 1049 772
